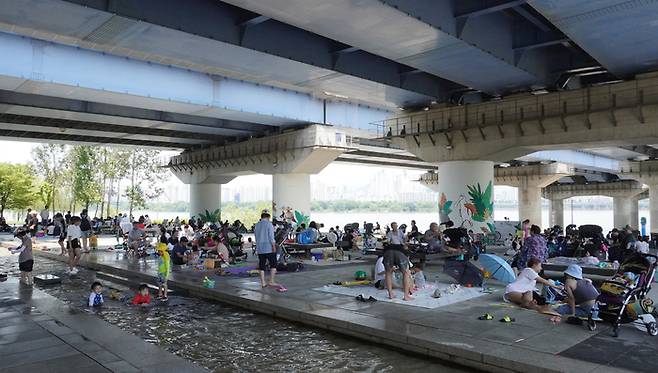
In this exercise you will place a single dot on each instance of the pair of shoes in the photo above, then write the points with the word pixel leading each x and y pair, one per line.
pixel 362 298
pixel 506 319
pixel 486 316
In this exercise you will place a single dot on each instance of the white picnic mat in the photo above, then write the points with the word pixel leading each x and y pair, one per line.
pixel 331 262
pixel 423 297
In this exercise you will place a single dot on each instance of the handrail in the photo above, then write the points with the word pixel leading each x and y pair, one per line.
pixel 624 95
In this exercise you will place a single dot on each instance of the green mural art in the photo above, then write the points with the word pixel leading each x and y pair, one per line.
pixel 211 216
pixel 300 218
pixel 481 206
pixel 477 208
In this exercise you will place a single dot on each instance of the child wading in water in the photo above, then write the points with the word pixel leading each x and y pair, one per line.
pixel 142 298
pixel 25 259
pixel 164 270
pixel 96 296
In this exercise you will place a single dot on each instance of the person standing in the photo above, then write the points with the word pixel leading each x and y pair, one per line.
pixel 25 258
pixel 67 218
pixel 85 229
pixel 45 215
pixel 533 247
pixel 73 235
pixel 395 258
pixel 266 248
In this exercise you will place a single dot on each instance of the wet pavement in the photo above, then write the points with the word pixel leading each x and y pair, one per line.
pixel 451 333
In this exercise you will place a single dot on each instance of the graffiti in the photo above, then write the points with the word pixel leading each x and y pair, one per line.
pixel 444 208
pixel 300 218
pixel 211 217
pixel 477 207
pixel 481 204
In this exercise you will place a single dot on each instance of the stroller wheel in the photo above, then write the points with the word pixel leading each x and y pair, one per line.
pixel 652 329
pixel 615 331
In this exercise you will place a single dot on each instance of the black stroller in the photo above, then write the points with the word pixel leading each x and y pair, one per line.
pixel 234 240
pixel 282 231
pixel 591 237
pixel 623 298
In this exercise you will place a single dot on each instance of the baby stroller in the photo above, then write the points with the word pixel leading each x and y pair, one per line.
pixel 234 246
pixel 591 236
pixel 282 230
pixel 623 298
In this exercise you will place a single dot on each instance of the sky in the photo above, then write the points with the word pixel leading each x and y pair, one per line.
pixel 20 152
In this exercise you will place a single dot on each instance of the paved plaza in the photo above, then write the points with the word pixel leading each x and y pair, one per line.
pixel 451 333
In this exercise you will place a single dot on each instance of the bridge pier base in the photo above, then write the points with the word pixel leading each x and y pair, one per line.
pixel 622 211
pixel 291 193
pixel 205 197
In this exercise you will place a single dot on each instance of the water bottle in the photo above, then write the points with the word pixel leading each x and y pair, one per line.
pixel 615 264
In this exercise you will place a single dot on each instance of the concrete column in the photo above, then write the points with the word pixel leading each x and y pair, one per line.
pixel 653 208
pixel 291 192
pixel 529 195
pixel 205 197
pixel 466 194
pixel 635 212
pixel 557 213
pixel 621 209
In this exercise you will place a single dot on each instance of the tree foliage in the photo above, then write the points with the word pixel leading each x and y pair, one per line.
pixel 86 188
pixel 146 175
pixel 17 190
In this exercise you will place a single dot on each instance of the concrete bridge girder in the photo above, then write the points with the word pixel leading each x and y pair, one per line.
pixel 290 157
pixel 612 115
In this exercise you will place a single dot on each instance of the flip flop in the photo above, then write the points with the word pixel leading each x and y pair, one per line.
pixel 372 299
pixel 486 316
pixel 506 319
pixel 281 289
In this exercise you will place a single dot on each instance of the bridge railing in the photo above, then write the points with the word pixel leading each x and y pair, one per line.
pixel 520 108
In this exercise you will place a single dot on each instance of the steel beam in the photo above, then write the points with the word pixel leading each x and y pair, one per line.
pixel 493 7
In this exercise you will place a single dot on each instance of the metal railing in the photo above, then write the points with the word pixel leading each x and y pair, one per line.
pixel 631 94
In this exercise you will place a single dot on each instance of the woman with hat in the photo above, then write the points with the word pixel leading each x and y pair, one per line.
pixel 581 293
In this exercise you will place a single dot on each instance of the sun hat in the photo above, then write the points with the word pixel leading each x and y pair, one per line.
pixel 574 271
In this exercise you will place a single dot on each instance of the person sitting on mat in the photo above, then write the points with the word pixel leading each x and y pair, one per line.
pixel 521 290
pixel 581 293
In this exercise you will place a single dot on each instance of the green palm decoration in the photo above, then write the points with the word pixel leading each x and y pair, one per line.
pixel 300 218
pixel 481 204
pixel 211 217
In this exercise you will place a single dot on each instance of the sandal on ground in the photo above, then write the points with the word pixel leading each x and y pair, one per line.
pixel 360 298
pixel 486 316
pixel 371 299
pixel 281 289
pixel 506 319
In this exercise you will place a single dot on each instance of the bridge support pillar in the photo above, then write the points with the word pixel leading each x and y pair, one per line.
pixel 205 197
pixel 635 212
pixel 622 211
pixel 291 193
pixel 529 196
pixel 466 194
pixel 556 216
pixel 653 207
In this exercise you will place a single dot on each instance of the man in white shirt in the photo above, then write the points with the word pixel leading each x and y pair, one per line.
pixel 45 215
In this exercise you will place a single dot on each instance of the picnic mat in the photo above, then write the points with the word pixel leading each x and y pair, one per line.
pixel 423 297
pixel 331 262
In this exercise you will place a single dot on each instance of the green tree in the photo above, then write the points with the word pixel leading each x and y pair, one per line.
pixel 49 162
pixel 145 175
pixel 86 188
pixel 16 187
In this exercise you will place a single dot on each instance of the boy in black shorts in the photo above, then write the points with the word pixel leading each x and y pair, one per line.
pixel 25 258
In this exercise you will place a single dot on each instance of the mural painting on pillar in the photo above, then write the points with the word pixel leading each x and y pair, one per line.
pixel 211 216
pixel 475 206
pixel 291 216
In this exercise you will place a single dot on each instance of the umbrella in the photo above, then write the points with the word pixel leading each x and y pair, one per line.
pixel 464 272
pixel 498 267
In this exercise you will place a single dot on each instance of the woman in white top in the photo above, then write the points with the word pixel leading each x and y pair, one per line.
pixel 520 291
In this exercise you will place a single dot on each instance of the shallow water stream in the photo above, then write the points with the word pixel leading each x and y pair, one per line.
pixel 227 339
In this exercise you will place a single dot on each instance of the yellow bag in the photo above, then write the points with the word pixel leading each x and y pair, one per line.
pixel 93 241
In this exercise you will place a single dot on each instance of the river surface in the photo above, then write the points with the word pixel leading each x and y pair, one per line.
pixel 227 339
pixel 601 217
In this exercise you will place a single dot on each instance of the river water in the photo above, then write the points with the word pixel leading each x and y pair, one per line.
pixel 227 339
pixel 601 217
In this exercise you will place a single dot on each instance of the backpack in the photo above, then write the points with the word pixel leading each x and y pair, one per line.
pixel 84 224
